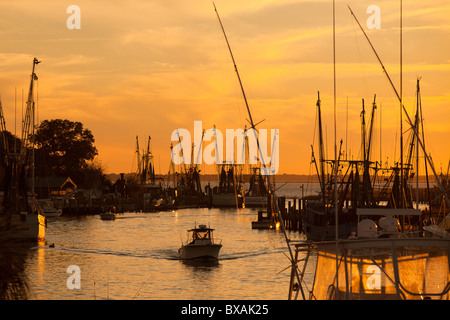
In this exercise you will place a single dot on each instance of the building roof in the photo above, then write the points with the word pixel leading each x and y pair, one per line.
pixel 54 182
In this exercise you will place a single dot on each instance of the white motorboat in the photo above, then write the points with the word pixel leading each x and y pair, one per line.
pixel 200 245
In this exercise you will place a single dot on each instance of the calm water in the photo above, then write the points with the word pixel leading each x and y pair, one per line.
pixel 135 257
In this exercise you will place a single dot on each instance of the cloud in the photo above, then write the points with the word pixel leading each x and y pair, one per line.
pixel 149 67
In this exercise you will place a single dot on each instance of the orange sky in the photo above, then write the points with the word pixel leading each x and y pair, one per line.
pixel 148 67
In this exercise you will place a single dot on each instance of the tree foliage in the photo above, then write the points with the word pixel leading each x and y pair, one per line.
pixel 66 145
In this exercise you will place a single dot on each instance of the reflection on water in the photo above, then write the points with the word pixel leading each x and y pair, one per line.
pixel 201 265
pixel 136 257
pixel 13 279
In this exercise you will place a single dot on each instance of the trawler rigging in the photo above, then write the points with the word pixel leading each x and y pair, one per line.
pixel 390 254
pixel 21 216
pixel 408 119
pixel 271 191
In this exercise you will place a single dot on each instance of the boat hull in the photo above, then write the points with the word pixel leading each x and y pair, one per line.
pixel 265 221
pixel 53 213
pixel 196 251
pixel 327 233
pixel 108 216
pixel 226 200
pixel 268 224
pixel 22 227
pixel 48 208
pixel 255 202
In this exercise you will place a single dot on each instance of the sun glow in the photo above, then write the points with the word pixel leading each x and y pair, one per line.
pixel 147 68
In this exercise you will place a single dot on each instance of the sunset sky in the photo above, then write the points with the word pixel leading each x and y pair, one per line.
pixel 148 67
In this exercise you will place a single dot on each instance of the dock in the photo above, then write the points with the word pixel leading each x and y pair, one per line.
pixel 291 213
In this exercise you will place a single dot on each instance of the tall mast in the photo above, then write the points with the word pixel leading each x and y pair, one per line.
pixel 417 147
pixel 4 140
pixel 148 157
pixel 408 119
pixel 172 168
pixel 235 68
pixel 423 139
pixel 29 115
pixel 402 178
pixel 363 132
pixel 372 120
pixel 335 148
pixel 321 147
pixel 366 176
pixel 183 166
pixel 261 155
pixel 139 163
pixel 346 132
pixel 29 123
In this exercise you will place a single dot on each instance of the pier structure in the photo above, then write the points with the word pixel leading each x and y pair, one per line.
pixel 291 209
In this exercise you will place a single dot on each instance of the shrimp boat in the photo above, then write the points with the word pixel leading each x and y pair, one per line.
pixel 391 254
pixel 379 262
pixel 21 217
pixel 200 245
pixel 23 226
pixel 228 193
pixel 382 249
pixel 386 252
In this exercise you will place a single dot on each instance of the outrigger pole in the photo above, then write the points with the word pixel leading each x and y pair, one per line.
pixel 427 158
pixel 261 155
pixel 336 216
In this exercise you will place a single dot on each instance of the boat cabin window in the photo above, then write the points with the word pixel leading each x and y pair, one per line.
pixel 204 234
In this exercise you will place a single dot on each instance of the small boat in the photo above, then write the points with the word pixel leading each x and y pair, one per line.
pixel 49 208
pixel 265 221
pixel 112 215
pixel 200 245
pixel 108 216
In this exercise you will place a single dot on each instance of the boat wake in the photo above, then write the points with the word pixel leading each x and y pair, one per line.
pixel 104 252
pixel 166 254
pixel 249 254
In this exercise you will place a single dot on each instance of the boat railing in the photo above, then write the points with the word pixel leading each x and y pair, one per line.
pixel 405 253
pixel 204 241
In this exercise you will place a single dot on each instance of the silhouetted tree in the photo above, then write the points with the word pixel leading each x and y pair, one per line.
pixel 66 146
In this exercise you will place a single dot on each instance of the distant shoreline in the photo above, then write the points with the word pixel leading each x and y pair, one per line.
pixel 284 177
pixel 214 177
